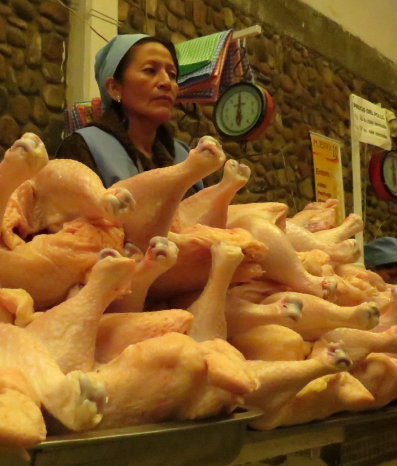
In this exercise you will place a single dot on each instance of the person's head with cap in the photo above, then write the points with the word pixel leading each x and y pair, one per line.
pixel 138 73
pixel 380 255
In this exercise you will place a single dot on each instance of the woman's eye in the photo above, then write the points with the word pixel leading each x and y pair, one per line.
pixel 149 70
pixel 172 75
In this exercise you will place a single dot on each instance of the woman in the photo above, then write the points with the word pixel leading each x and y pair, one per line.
pixel 137 78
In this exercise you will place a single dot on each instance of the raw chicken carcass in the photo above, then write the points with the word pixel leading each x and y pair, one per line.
pixel 173 377
pixel 273 212
pixel 209 206
pixel 389 316
pixel 318 316
pixel 280 381
pixel 51 264
pixel 62 191
pixel 350 226
pixel 73 399
pixel 69 330
pixel 158 192
pixel 209 309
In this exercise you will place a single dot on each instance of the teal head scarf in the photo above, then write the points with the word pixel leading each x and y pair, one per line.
pixel 108 58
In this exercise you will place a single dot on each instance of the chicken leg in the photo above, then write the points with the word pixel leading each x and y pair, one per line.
pixel 242 315
pixel 160 256
pixel 158 192
pixel 209 206
pixel 24 159
pixel 69 330
pixel 346 251
pixel 359 343
pixel 209 309
pixel 350 226
pixel 281 262
pixel 73 399
pixel 280 381
pixel 319 316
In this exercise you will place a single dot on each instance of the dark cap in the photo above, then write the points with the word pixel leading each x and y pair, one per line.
pixel 381 251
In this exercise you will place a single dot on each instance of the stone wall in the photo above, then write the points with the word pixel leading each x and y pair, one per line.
pixel 310 92
pixel 33 38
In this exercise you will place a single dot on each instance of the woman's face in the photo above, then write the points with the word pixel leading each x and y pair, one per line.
pixel 148 88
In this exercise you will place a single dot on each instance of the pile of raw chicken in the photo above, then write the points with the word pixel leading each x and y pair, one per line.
pixel 133 305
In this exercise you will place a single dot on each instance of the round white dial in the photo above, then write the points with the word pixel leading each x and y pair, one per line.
pixel 239 110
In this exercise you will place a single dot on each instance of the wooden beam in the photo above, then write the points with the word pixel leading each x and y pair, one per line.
pixel 247 32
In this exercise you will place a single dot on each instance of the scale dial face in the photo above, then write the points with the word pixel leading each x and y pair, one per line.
pixel 239 110
pixel 389 172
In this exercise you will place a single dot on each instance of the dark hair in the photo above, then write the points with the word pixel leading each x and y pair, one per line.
pixel 129 56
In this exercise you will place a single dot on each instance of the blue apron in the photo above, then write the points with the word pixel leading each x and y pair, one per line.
pixel 120 166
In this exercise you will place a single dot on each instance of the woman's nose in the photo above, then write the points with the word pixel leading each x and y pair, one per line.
pixel 164 80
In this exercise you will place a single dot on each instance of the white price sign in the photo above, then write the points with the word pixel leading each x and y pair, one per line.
pixel 369 123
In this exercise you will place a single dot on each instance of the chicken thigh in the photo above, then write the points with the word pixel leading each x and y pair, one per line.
pixel 270 343
pixel 49 265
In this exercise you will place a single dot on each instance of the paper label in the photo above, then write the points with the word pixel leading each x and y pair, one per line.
pixel 328 176
pixel 369 123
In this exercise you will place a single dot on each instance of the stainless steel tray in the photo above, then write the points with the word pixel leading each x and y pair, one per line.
pixel 210 442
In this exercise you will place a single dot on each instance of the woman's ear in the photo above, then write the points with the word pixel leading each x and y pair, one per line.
pixel 112 88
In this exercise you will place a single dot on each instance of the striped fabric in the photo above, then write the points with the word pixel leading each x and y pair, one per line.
pixel 198 53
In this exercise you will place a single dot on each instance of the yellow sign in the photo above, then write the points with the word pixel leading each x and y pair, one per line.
pixel 328 171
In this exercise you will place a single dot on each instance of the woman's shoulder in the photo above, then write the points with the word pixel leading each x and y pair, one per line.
pixel 75 147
